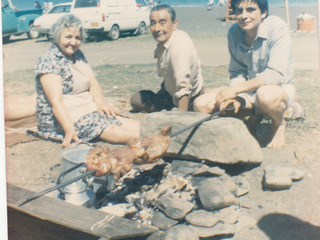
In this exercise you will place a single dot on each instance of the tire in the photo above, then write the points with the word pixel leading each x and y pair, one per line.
pixel 142 28
pixel 5 39
pixel 32 34
pixel 48 37
pixel 114 33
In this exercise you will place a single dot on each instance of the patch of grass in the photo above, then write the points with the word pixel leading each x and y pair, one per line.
pixel 120 81
pixel 123 80
pixel 307 94
pixel 116 80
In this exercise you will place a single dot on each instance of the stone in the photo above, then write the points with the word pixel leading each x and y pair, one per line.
pixel 221 140
pixel 181 232
pixel 161 221
pixel 214 195
pixel 171 182
pixel 229 183
pixel 207 171
pixel 156 236
pixel 173 206
pixel 243 186
pixel 218 229
pixel 202 218
pixel 279 178
pixel 244 222
pixel 184 168
pixel 228 215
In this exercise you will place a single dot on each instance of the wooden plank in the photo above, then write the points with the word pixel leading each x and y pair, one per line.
pixel 53 215
pixel 22 226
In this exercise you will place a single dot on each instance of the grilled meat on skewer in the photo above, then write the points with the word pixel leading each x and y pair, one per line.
pixel 155 145
pixel 138 151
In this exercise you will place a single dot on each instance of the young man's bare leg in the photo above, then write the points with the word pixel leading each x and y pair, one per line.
pixel 277 134
pixel 272 101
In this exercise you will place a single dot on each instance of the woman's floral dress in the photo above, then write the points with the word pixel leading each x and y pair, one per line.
pixel 88 126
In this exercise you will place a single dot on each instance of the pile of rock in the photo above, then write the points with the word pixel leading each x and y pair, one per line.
pixel 187 199
pixel 179 195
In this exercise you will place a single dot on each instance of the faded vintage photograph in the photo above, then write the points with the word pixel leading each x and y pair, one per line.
pixel 161 119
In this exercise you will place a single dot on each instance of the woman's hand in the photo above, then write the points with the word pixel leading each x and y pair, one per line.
pixel 69 136
pixel 108 110
pixel 225 94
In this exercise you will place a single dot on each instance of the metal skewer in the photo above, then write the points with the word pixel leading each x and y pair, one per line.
pixel 91 172
pixel 211 116
pixel 39 194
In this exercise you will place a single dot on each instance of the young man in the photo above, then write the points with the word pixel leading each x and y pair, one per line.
pixel 261 70
pixel 178 64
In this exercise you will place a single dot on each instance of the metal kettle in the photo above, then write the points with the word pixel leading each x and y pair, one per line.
pixel 82 192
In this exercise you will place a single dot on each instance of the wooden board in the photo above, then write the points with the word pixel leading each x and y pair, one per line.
pixel 49 218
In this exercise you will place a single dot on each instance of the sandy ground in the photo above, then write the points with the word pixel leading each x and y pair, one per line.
pixel 35 165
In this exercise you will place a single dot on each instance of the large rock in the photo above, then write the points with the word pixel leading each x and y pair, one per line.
pixel 218 229
pixel 279 178
pixel 181 232
pixel 173 206
pixel 202 218
pixel 161 221
pixel 214 194
pixel 221 140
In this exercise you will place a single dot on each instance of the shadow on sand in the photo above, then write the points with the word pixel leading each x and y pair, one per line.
pixel 285 227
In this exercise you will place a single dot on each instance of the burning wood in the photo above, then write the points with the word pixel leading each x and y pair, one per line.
pixel 138 151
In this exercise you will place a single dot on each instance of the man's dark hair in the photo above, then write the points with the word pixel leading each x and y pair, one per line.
pixel 263 5
pixel 168 7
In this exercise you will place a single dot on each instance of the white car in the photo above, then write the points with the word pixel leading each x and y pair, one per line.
pixel 100 18
pixel 112 17
pixel 44 23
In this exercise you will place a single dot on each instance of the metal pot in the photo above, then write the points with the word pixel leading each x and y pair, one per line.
pixel 82 192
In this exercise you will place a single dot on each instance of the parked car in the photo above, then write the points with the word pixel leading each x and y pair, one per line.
pixel 43 23
pixel 15 22
pixel 111 17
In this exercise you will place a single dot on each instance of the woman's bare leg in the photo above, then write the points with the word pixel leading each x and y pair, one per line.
pixel 19 106
pixel 129 129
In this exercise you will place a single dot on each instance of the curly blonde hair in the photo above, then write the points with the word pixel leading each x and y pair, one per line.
pixel 64 22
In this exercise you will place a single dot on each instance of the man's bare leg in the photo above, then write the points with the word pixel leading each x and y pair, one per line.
pixel 272 101
pixel 206 103
pixel 277 135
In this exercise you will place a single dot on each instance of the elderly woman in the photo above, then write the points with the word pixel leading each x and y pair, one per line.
pixel 70 103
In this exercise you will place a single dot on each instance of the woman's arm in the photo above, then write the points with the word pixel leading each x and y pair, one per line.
pixel 52 86
pixel 98 97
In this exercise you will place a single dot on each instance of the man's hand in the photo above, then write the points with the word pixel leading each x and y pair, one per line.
pixel 225 94
pixel 236 104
